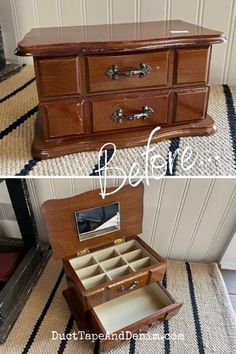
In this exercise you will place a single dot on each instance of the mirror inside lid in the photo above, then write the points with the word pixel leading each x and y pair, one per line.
pixel 87 221
pixel 97 221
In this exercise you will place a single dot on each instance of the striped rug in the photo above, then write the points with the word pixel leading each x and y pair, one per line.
pixel 205 324
pixel 216 155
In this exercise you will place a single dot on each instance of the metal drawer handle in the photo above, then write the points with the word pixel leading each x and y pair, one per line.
pixel 118 116
pixel 128 288
pixel 113 72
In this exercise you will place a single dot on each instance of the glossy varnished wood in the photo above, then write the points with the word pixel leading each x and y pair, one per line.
pixel 190 104
pixel 64 117
pixel 43 149
pixel 77 98
pixel 109 290
pixel 115 37
pixel 73 116
pixel 192 66
pixel 59 215
pixel 98 65
pixel 60 223
pixel 57 76
pixel 102 110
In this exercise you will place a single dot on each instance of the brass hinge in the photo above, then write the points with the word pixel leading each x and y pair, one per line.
pixel 83 252
pixel 119 241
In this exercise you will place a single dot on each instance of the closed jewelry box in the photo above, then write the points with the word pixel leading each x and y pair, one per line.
pixel 116 83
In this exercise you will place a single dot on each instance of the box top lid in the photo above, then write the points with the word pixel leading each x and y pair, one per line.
pixel 115 37
pixel 62 225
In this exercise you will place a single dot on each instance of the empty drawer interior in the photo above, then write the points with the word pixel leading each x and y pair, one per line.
pixel 132 307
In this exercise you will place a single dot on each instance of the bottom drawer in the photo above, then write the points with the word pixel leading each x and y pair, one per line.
pixel 191 105
pixel 64 117
pixel 134 310
pixel 128 110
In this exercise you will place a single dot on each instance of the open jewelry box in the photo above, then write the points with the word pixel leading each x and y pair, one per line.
pixel 113 276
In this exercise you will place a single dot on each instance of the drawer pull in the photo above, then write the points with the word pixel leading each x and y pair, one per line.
pixel 113 72
pixel 118 116
pixel 128 288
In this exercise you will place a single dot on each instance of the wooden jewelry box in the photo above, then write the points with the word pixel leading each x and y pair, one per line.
pixel 116 83
pixel 113 276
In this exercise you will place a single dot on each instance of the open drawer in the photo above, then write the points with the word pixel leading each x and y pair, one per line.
pixel 134 310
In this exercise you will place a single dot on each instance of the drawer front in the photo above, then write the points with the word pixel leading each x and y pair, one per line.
pixel 191 105
pixel 99 65
pixel 57 77
pixel 127 286
pixel 64 117
pixel 112 113
pixel 192 66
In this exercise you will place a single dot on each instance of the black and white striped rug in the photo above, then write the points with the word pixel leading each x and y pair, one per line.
pixel 205 324
pixel 214 155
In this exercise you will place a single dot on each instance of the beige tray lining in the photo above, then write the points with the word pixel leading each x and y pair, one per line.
pixel 111 263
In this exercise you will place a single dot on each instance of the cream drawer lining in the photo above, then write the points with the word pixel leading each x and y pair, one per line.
pixel 127 309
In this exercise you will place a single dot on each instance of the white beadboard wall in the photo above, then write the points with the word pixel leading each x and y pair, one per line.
pixel 19 16
pixel 229 258
pixel 191 219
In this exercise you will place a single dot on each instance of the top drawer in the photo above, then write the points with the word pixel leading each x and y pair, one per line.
pixel 57 76
pixel 121 72
pixel 192 66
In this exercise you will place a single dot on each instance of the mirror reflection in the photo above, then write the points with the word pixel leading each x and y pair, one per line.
pixel 97 221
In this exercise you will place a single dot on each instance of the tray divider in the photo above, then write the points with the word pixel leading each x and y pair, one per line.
pixel 95 277
pixel 104 270
pixel 137 262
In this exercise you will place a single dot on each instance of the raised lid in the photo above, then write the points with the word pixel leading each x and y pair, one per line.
pixel 59 216
pixel 114 37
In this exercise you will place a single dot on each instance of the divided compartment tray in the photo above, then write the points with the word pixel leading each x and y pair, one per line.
pixel 111 263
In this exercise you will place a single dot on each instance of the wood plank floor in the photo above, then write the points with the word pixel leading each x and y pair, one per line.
pixel 230 281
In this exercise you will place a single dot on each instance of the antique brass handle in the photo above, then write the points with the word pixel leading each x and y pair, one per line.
pixel 128 288
pixel 113 72
pixel 118 116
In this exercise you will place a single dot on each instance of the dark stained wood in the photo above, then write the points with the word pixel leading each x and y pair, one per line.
pixel 77 98
pixel 59 217
pixel 42 149
pixel 115 37
pixel 192 65
pixel 74 282
pixel 98 65
pixel 57 76
pixel 114 290
pixel 61 226
pixel 73 121
pixel 60 223
pixel 102 110
pixel 75 306
pixel 191 105
pixel 106 291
